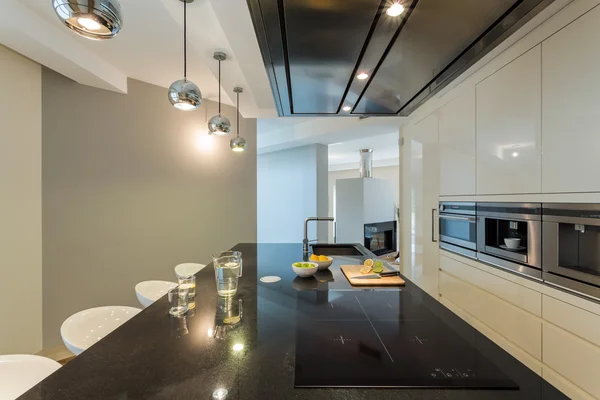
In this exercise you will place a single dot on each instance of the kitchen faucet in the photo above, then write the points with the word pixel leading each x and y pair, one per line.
pixel 305 241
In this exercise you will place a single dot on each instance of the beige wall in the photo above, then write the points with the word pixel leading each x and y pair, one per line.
pixel 389 173
pixel 20 204
pixel 131 188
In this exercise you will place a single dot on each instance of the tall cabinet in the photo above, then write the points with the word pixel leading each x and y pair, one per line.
pixel 458 145
pixel 571 107
pixel 420 196
pixel 509 128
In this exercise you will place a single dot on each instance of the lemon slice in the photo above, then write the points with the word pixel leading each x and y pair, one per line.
pixel 365 270
pixel 368 262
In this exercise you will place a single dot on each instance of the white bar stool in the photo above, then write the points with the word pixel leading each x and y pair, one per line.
pixel 20 372
pixel 85 328
pixel 188 269
pixel 148 292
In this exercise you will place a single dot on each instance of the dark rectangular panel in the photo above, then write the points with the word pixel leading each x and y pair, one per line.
pixel 324 39
pixel 434 35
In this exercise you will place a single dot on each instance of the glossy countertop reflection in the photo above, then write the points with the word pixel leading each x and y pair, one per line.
pixel 247 344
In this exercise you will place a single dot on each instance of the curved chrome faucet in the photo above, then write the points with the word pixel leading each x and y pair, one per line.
pixel 305 241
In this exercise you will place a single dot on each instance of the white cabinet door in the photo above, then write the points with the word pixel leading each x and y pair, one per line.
pixel 457 145
pixel 509 128
pixel 571 107
pixel 420 196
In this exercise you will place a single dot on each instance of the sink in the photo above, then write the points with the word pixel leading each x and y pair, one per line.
pixel 339 249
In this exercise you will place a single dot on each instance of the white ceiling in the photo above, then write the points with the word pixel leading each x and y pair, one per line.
pixel 284 133
pixel 345 155
pixel 150 47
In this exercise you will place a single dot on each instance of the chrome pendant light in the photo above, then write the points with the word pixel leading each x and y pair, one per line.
pixel 238 144
pixel 92 19
pixel 184 94
pixel 219 124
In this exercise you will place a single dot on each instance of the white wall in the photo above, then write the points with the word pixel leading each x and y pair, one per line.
pixel 292 186
pixel 131 188
pixel 391 174
pixel 20 204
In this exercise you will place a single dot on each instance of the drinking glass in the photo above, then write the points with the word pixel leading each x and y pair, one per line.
pixel 228 270
pixel 178 301
pixel 189 283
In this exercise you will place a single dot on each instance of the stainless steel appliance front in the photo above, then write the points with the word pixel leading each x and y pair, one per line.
pixel 571 246
pixel 501 224
pixel 458 228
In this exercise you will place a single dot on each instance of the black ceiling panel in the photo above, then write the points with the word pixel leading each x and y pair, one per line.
pixel 313 49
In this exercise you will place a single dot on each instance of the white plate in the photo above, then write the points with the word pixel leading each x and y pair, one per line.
pixel 516 249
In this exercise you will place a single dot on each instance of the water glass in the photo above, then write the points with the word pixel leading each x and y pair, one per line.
pixel 178 301
pixel 228 270
pixel 189 283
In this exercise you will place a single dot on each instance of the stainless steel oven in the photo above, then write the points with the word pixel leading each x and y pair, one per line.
pixel 571 246
pixel 509 236
pixel 458 228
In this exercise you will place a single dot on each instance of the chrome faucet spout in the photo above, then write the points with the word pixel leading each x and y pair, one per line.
pixel 305 241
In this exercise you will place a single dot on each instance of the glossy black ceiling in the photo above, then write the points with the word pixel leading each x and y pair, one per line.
pixel 314 49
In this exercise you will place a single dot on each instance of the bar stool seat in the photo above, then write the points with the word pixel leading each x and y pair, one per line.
pixel 188 269
pixel 148 292
pixel 85 328
pixel 20 372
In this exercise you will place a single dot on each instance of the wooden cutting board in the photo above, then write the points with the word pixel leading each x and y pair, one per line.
pixel 352 271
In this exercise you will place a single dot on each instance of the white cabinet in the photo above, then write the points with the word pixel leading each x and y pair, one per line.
pixel 572 357
pixel 419 197
pixel 518 326
pixel 509 128
pixel 520 296
pixel 571 107
pixel 457 145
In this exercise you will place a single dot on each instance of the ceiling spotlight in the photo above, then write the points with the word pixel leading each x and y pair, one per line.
pixel 395 9
pixel 346 108
pixel 219 124
pixel 184 95
pixel 362 76
pixel 238 347
pixel 515 154
pixel 237 144
pixel 97 20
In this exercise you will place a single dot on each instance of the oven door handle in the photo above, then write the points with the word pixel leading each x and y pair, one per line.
pixel 471 220
pixel 433 210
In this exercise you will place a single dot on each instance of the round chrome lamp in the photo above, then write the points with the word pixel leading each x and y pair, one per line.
pixel 184 95
pixel 92 19
pixel 237 144
pixel 219 124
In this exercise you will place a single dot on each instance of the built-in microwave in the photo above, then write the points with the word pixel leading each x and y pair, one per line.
pixel 458 228
pixel 571 246
pixel 509 236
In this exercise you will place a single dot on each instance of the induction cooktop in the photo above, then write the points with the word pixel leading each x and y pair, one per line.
pixel 386 339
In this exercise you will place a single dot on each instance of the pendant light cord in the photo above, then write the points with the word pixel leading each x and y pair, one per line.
pixel 238 113
pixel 219 87
pixel 185 40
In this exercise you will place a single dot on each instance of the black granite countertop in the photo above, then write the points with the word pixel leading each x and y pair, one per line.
pixel 154 356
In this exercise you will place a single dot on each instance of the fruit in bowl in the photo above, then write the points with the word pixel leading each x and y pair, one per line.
pixel 323 262
pixel 305 269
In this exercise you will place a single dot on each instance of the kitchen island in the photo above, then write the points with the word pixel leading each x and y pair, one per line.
pixel 296 339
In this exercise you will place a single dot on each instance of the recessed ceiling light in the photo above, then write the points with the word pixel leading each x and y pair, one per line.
pixel 362 75
pixel 395 9
pixel 515 154
pixel 346 108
